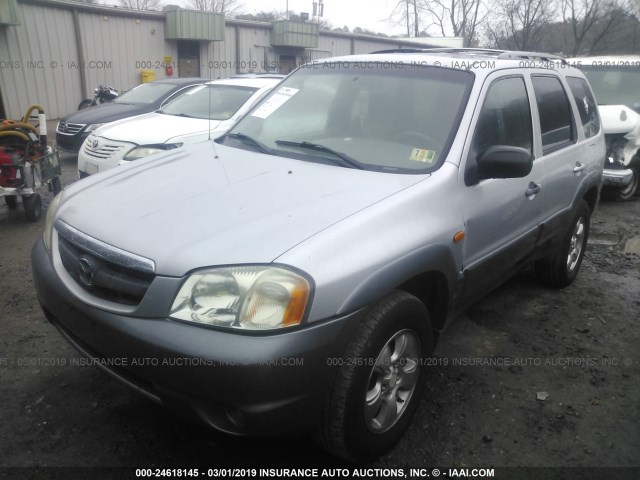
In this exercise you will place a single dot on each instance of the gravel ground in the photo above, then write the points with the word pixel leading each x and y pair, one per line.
pixel 528 377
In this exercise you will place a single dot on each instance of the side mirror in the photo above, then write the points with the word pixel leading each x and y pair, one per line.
pixel 503 161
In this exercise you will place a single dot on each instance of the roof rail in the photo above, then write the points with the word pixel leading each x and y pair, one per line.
pixel 531 55
pixel 399 50
pixel 502 54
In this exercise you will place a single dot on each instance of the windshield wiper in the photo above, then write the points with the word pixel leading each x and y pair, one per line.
pixel 346 159
pixel 247 140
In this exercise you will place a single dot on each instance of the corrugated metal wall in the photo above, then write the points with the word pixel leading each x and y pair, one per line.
pixel 39 59
pixel 116 49
pixel 34 62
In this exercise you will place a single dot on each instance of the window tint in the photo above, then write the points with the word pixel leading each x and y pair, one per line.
pixel 586 105
pixel 556 123
pixel 505 118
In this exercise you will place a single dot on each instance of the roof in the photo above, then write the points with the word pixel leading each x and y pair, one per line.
pixel 181 80
pixel 473 59
pixel 258 82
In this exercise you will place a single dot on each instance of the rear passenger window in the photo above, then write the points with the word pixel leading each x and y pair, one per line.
pixel 556 121
pixel 505 118
pixel 587 106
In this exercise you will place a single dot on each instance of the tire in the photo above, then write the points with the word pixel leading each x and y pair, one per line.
pixel 11 201
pixel 561 269
pixel 630 191
pixel 56 186
pixel 86 103
pixel 32 207
pixel 397 326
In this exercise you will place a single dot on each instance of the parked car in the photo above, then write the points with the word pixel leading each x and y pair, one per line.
pixel 73 129
pixel 295 273
pixel 204 112
pixel 616 83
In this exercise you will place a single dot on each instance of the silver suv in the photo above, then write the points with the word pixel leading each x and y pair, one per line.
pixel 294 274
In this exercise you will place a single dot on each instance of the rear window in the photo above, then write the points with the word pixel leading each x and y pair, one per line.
pixel 554 109
pixel 586 104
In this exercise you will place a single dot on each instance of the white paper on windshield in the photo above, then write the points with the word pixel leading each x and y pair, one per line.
pixel 275 102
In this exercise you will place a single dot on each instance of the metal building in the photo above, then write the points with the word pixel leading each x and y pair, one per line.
pixel 55 52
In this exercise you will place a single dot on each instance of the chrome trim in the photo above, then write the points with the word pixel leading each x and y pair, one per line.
pixel 104 250
pixel 620 178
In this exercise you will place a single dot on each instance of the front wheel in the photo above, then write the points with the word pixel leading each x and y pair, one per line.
pixel 32 207
pixel 561 269
pixel 11 201
pixel 378 386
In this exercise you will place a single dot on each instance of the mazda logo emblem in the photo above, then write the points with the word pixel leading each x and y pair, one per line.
pixel 86 272
pixel 95 144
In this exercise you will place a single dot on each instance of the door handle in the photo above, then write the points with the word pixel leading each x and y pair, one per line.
pixel 579 167
pixel 532 189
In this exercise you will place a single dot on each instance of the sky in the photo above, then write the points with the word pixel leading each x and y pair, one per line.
pixel 366 14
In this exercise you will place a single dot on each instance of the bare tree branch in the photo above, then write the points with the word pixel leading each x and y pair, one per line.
pixel 227 7
pixel 141 4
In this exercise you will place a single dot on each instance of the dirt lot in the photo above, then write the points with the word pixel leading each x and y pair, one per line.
pixel 484 405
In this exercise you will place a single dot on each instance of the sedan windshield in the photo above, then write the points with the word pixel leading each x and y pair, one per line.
pixel 615 86
pixel 213 102
pixel 145 94
pixel 392 118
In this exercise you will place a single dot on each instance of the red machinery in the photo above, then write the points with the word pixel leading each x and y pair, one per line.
pixel 26 163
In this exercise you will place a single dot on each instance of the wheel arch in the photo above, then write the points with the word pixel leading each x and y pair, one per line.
pixel 429 274
pixel 432 289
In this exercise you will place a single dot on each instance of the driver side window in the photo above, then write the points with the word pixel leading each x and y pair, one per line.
pixel 505 118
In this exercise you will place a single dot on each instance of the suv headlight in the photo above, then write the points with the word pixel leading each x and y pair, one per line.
pixel 145 150
pixel 243 297
pixel 48 225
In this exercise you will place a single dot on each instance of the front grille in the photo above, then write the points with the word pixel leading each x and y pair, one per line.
pixel 101 277
pixel 69 128
pixel 103 152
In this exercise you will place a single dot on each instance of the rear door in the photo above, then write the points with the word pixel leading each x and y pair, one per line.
pixel 568 143
pixel 502 216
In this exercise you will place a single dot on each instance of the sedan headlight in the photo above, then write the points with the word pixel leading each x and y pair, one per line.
pixel 243 297
pixel 48 225
pixel 145 150
pixel 94 126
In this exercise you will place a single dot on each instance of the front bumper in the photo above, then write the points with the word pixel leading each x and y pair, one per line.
pixel 237 383
pixel 70 143
pixel 617 177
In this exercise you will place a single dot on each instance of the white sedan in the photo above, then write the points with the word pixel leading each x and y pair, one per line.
pixel 205 112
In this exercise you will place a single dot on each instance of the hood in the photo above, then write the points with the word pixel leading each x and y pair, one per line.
pixel 156 128
pixel 207 204
pixel 107 112
pixel 618 118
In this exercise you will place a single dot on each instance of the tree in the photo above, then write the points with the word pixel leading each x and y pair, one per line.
pixel 520 24
pixel 461 17
pixel 141 4
pixel 407 12
pixel 588 19
pixel 227 7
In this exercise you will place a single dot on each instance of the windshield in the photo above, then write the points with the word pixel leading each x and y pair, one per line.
pixel 145 94
pixel 213 102
pixel 615 86
pixel 383 117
